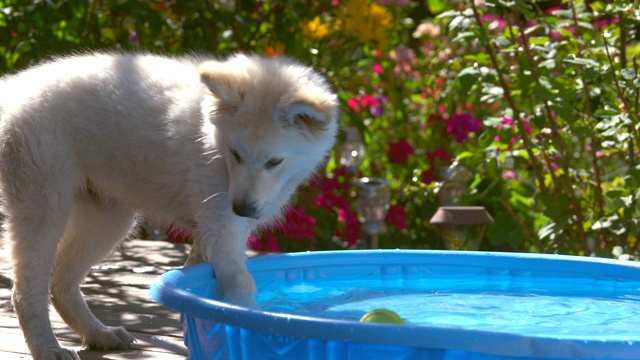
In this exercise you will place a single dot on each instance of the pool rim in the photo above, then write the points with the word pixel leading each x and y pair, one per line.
pixel 168 289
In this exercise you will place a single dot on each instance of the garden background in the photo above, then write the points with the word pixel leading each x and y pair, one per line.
pixel 537 100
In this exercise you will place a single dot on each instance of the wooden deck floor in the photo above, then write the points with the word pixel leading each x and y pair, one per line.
pixel 116 291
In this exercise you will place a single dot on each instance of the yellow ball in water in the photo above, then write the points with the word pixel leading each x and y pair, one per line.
pixel 383 316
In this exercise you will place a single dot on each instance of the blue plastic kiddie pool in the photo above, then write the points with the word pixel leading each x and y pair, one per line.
pixel 457 305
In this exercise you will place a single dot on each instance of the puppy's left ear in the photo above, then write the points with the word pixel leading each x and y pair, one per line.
pixel 224 80
pixel 313 112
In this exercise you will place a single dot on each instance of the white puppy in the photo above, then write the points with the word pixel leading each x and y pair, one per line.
pixel 87 141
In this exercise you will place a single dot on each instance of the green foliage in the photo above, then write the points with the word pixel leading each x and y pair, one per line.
pixel 555 158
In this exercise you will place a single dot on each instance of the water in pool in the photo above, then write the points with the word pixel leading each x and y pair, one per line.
pixel 544 313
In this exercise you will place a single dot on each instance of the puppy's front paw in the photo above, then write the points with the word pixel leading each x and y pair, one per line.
pixel 110 338
pixel 238 289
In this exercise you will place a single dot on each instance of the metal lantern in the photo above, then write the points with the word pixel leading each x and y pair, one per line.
pixel 352 150
pixel 453 183
pixel 373 196
pixel 462 227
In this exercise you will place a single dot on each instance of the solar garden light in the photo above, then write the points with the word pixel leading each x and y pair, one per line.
pixel 373 196
pixel 352 150
pixel 453 183
pixel 462 227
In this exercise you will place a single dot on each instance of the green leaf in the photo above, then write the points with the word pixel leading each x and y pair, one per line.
pixel 623 201
pixel 448 14
pixel 461 22
pixel 597 6
pixel 628 74
pixel 539 40
pixel 549 64
pixel 582 61
pixel 603 223
pixel 502 42
pixel 463 35
pixel 436 6
pixel 614 193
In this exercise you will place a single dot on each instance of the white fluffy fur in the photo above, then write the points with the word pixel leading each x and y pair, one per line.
pixel 87 141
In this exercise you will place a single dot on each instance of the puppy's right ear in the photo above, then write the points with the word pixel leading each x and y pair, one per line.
pixel 224 81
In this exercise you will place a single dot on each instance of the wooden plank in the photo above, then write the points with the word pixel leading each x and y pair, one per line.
pixel 116 291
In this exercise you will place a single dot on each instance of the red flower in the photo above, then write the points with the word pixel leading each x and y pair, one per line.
pixel 271 243
pixel 255 243
pixel 399 151
pixel 397 216
pixel 439 157
pixel 435 118
pixel 340 171
pixel 377 68
pixel 176 234
pixel 428 176
pixel 331 201
pixel 460 125
pixel 298 225
pixel 329 184
pixel 266 242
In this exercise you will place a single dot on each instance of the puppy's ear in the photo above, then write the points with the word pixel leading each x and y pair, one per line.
pixel 224 81
pixel 312 110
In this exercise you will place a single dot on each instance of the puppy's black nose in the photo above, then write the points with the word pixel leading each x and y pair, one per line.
pixel 244 209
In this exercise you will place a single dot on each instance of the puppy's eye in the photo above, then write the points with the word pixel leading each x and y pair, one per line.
pixel 235 155
pixel 273 163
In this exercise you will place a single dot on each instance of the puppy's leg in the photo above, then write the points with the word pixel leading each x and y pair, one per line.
pixel 225 247
pixel 196 254
pixel 94 228
pixel 36 216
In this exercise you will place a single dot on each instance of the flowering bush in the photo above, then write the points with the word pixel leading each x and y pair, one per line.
pixel 540 104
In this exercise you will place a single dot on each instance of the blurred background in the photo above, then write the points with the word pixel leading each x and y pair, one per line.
pixel 525 110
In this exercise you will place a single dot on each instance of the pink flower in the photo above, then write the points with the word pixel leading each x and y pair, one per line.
pixel 351 233
pixel 508 175
pixel 426 29
pixel 495 22
pixel 354 104
pixel 399 151
pixel 511 123
pixel 397 216
pixel 552 10
pixel 368 100
pixel 605 21
pixel 460 125
pixel 377 68
pixel 298 225
pixel 405 59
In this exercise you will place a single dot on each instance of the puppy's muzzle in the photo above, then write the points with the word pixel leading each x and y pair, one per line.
pixel 245 209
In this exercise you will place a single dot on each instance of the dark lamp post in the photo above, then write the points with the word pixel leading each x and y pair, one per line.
pixel 462 227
